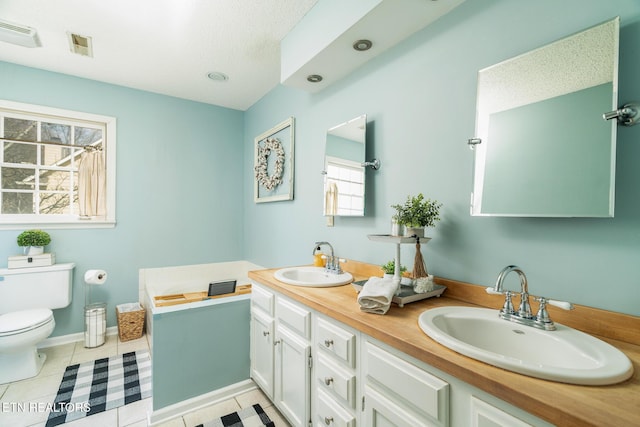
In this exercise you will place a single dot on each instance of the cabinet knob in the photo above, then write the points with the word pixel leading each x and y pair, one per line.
pixel 328 343
pixel 328 380
pixel 328 420
pixel 276 342
pixel 265 333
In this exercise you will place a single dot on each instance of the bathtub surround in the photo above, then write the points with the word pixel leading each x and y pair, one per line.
pixel 200 349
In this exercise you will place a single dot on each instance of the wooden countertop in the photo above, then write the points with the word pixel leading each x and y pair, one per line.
pixel 560 404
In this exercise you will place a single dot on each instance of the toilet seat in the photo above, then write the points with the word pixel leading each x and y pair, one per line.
pixel 18 322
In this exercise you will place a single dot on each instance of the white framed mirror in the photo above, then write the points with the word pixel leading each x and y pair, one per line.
pixel 545 149
pixel 344 173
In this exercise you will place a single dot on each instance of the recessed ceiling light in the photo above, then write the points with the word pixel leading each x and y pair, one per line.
pixel 314 78
pixel 217 76
pixel 362 45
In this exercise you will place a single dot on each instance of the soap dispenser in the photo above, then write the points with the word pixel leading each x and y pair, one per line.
pixel 318 257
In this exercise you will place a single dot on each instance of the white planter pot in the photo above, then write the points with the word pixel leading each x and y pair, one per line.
pixel 396 229
pixel 34 250
pixel 409 231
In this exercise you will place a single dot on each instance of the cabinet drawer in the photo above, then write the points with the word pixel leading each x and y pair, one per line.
pixel 426 393
pixel 294 317
pixel 330 413
pixel 337 341
pixel 262 299
pixel 336 381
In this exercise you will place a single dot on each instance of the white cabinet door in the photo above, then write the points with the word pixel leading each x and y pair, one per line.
pixel 262 367
pixel 293 377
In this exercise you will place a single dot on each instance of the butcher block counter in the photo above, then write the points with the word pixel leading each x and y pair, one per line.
pixel 557 403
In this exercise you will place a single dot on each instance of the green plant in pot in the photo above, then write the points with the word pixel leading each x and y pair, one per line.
pixel 390 268
pixel 34 241
pixel 416 214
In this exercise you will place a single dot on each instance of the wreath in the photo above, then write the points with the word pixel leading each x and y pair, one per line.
pixel 262 174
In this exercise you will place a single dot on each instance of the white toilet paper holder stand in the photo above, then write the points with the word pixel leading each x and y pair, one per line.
pixel 94 313
pixel 88 285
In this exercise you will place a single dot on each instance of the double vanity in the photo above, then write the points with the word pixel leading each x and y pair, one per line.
pixel 324 362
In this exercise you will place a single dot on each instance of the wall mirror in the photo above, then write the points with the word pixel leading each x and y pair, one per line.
pixel 545 150
pixel 343 170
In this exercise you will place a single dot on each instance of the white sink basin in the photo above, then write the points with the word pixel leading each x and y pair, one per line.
pixel 564 355
pixel 312 277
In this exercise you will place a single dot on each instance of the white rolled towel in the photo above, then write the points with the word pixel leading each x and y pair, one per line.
pixel 376 295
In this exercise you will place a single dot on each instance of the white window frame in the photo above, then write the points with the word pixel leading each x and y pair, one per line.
pixel 16 222
pixel 341 163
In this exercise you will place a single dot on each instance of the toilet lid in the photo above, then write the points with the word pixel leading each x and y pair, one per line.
pixel 18 321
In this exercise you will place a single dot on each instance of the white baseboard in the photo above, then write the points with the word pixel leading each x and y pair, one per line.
pixel 181 408
pixel 71 338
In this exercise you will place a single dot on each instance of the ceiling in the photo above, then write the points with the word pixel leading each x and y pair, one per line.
pixel 162 46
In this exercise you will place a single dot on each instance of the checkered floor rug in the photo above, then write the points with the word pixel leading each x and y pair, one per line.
pixel 93 387
pixel 253 416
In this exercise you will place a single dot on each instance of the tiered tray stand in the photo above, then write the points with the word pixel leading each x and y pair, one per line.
pixel 405 294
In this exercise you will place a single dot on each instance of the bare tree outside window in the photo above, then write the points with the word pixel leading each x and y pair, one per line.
pixel 37 178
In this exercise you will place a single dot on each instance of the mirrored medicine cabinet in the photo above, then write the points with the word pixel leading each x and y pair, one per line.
pixel 344 172
pixel 542 148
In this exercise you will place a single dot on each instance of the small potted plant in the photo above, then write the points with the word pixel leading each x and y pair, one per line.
pixel 34 241
pixel 390 268
pixel 416 214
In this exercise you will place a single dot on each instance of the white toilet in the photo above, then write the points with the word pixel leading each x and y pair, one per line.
pixel 27 296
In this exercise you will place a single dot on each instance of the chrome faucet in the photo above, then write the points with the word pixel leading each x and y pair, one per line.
pixel 333 262
pixel 524 315
pixel 525 308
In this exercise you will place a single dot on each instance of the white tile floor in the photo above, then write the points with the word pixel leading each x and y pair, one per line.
pixel 43 389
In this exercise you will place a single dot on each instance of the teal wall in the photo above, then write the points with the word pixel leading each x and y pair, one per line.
pixel 420 103
pixel 175 204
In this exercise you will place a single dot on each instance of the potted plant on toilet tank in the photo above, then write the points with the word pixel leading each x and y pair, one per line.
pixel 416 214
pixel 34 241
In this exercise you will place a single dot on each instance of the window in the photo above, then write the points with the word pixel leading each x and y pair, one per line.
pixel 40 157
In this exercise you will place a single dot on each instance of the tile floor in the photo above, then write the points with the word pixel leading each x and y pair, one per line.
pixel 43 388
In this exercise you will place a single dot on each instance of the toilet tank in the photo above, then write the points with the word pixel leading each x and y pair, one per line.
pixel 35 287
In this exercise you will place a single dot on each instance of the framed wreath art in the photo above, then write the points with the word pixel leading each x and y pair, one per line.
pixel 273 170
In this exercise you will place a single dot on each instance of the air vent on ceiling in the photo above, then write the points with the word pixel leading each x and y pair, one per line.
pixel 21 35
pixel 80 44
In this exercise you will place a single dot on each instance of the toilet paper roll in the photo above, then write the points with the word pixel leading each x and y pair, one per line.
pixel 95 277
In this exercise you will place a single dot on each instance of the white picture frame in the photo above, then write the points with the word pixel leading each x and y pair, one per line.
pixel 284 134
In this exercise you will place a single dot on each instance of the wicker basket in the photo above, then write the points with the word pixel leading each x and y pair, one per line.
pixel 130 324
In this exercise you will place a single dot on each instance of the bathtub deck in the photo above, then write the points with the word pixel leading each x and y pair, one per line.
pixel 189 297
